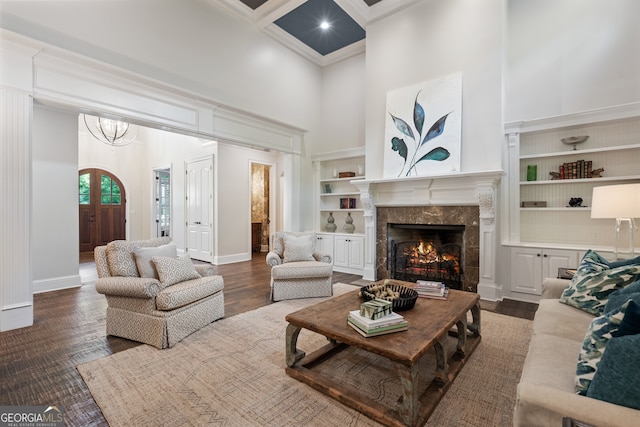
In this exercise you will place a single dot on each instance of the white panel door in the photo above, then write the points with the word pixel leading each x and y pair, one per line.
pixel 199 205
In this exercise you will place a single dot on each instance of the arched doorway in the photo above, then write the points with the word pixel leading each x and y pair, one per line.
pixel 102 202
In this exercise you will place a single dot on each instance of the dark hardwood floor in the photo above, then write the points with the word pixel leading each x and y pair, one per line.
pixel 38 363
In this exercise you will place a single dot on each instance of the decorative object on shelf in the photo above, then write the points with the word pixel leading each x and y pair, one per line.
pixel 335 172
pixel 534 204
pixel 575 202
pixel 327 188
pixel 331 226
pixel 621 202
pixel 411 129
pixel 532 172
pixel 344 203
pixel 112 132
pixel 352 203
pixel 360 170
pixel 555 175
pixel 574 140
pixel 348 226
pixel 597 173
pixel 346 174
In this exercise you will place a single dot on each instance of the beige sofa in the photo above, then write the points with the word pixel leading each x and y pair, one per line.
pixel 144 309
pixel 546 392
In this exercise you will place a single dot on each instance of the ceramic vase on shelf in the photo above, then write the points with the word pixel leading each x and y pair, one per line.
pixel 331 226
pixel 348 226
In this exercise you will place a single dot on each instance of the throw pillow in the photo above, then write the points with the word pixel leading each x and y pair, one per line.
pixel 298 251
pixel 143 256
pixel 618 376
pixel 280 237
pixel 120 255
pixel 175 270
pixel 600 331
pixel 298 248
pixel 595 279
pixel 619 297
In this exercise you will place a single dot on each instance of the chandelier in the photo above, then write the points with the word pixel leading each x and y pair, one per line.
pixel 112 132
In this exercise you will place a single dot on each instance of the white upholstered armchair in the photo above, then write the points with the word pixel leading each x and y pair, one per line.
pixel 297 269
pixel 153 296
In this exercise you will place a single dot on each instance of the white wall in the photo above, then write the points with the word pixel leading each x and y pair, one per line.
pixel 342 106
pixel 55 235
pixel 570 56
pixel 431 39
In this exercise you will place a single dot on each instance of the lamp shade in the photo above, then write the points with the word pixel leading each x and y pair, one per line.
pixel 616 201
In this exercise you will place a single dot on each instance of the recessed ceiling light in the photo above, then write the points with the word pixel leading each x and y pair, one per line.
pixel 325 25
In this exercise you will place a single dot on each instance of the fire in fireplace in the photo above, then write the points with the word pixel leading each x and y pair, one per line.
pixel 426 252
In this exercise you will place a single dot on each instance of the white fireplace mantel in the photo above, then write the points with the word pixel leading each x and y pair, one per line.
pixel 470 188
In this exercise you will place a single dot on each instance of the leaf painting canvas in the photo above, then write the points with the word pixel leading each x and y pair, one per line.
pixel 423 128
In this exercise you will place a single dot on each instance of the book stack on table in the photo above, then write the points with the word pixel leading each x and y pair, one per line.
pixel 372 327
pixel 433 290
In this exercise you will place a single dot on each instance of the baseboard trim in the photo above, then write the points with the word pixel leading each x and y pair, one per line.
pixel 16 316
pixel 56 283
pixel 230 259
pixel 489 292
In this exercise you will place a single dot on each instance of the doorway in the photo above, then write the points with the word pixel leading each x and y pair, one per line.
pixel 102 204
pixel 261 206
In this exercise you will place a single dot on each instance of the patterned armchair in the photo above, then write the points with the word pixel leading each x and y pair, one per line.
pixel 297 269
pixel 153 296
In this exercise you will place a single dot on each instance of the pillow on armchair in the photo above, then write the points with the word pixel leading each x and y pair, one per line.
pixel 175 270
pixel 143 256
pixel 298 249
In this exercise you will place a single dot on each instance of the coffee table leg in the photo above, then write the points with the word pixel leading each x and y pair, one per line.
pixel 475 325
pixel 408 404
pixel 442 365
pixel 293 354
pixel 462 337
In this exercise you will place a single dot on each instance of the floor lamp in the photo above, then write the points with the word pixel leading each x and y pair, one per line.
pixel 621 202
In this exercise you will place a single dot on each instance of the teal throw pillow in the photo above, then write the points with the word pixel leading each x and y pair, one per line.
pixel 619 297
pixel 618 377
pixel 600 331
pixel 595 279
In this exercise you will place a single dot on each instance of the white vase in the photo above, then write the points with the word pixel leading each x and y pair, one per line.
pixel 348 226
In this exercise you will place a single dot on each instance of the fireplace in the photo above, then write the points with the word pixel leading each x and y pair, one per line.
pixel 426 252
pixel 438 243
pixel 458 199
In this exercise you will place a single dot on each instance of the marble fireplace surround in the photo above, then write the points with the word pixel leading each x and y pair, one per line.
pixel 463 199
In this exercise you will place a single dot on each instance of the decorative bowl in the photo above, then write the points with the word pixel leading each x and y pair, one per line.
pixel 574 140
pixel 405 301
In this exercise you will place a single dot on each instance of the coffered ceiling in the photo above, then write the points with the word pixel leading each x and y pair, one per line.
pixel 324 31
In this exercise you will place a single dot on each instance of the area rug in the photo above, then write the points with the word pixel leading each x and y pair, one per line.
pixel 231 373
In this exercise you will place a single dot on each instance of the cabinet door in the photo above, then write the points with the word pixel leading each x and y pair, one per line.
pixel 356 252
pixel 325 244
pixel 341 251
pixel 552 259
pixel 526 271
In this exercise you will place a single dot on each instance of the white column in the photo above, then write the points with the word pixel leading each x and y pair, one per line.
pixel 487 287
pixel 368 204
pixel 16 300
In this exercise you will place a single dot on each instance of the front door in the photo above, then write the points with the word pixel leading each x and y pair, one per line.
pixel 102 200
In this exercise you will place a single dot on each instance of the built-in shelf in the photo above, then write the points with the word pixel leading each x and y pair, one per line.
pixel 581 180
pixel 580 152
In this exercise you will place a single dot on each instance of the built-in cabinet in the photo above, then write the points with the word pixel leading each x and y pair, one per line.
pixel 549 189
pixel 348 253
pixel 530 266
pixel 337 197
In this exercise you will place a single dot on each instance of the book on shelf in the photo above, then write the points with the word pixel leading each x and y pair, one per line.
pixel 383 330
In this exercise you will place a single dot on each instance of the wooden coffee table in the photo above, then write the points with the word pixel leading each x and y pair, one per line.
pixel 430 322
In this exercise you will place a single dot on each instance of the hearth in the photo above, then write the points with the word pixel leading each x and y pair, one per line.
pixel 426 252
